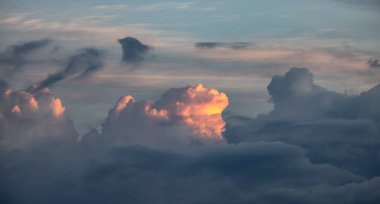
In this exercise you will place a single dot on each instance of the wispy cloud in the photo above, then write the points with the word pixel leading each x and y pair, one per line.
pixel 80 26
pixel 166 5
pixel 231 45
pixel 112 7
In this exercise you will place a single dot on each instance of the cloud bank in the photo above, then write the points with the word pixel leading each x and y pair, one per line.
pixel 316 146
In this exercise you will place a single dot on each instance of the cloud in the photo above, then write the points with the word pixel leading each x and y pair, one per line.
pixel 134 51
pixel 166 5
pixel 31 118
pixel 373 63
pixel 233 45
pixel 291 93
pixel 15 56
pixel 83 64
pixel 239 170
pixel 112 7
pixel 181 115
pixel 257 172
pixel 166 143
pixel 335 128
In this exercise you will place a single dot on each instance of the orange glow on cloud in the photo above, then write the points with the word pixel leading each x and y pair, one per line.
pixel 122 103
pixel 196 107
pixel 16 109
pixel 33 103
pixel 154 112
pixel 8 92
pixel 57 108
pixel 201 109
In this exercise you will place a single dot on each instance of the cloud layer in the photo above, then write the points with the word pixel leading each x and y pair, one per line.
pixel 309 149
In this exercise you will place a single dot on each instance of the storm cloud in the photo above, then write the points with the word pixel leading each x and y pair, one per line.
pixel 83 64
pixel 134 51
pixel 15 56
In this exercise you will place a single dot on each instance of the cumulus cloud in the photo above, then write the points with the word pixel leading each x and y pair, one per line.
pixel 15 56
pixel 335 128
pixel 83 64
pixel 373 63
pixel 134 51
pixel 232 45
pixel 183 114
pixel 30 117
pixel 328 156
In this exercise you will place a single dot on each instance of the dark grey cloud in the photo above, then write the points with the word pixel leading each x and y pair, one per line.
pixel 232 45
pixel 267 172
pixel 83 64
pixel 373 63
pixel 335 128
pixel 134 51
pixel 14 57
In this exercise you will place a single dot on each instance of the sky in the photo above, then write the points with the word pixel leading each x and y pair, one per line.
pixel 208 98
pixel 334 39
